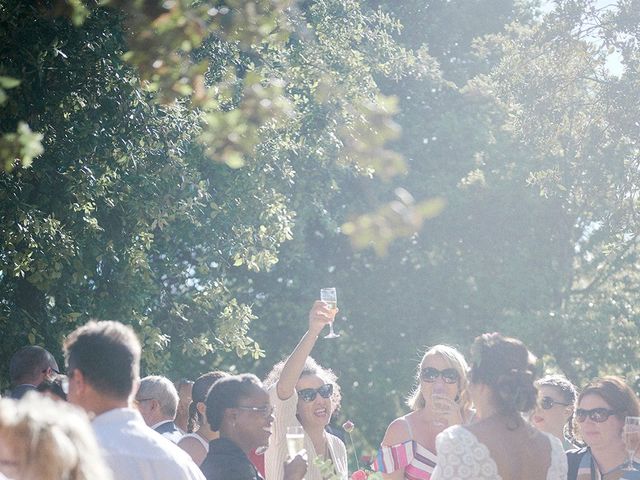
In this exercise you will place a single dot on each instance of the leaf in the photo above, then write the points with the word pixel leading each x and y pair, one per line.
pixel 9 82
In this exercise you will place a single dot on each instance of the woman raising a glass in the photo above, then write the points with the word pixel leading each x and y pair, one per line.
pixel 305 395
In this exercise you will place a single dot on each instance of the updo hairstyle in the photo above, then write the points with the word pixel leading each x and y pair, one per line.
pixel 569 395
pixel 199 394
pixel 505 365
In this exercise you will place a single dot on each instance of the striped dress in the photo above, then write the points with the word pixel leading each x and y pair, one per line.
pixel 417 461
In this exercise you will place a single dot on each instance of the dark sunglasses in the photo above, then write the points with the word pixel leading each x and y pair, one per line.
pixel 597 415
pixel 309 394
pixel 430 375
pixel 547 403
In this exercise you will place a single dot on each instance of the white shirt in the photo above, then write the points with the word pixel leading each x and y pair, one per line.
pixel 276 454
pixel 135 451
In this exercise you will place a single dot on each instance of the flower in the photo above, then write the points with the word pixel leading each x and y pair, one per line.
pixel 359 475
pixel 348 426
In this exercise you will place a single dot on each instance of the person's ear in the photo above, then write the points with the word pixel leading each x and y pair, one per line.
pixel 79 381
pixel 201 407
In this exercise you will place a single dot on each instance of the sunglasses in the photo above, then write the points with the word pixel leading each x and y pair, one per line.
pixel 309 394
pixel 597 415
pixel 265 411
pixel 547 403
pixel 430 375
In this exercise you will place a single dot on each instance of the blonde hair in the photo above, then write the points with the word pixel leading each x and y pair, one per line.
pixel 51 440
pixel 456 360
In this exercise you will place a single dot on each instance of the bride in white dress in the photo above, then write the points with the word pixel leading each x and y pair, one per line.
pixel 501 445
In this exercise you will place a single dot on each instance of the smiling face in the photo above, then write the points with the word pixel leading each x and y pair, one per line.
pixel 439 386
pixel 597 435
pixel 253 427
pixel 316 413
pixel 553 419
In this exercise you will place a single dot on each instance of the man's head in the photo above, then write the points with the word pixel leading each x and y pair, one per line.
pixel 157 399
pixel 103 364
pixel 31 365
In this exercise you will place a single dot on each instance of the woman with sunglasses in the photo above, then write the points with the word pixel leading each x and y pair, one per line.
pixel 554 411
pixel 439 399
pixel 599 420
pixel 238 407
pixel 501 444
pixel 305 394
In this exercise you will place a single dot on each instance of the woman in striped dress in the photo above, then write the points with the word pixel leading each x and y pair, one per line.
pixel 439 400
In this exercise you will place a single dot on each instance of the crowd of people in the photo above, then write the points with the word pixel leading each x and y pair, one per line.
pixel 488 417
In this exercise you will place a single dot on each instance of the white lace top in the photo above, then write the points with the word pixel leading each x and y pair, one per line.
pixel 462 456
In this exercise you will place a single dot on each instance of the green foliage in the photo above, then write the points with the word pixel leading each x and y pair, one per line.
pixel 509 133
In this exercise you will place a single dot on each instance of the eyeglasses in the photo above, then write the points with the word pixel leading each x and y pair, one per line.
pixel 138 401
pixel 597 415
pixel 265 411
pixel 547 403
pixel 309 394
pixel 52 369
pixel 430 375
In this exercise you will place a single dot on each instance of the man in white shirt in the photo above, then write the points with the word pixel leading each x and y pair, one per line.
pixel 157 400
pixel 103 366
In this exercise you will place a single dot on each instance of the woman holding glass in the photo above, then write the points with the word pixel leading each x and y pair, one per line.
pixel 305 395
pixel 600 416
pixel 440 399
pixel 501 444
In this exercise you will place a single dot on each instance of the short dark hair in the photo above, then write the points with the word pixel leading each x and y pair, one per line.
pixel 28 362
pixel 225 393
pixel 108 355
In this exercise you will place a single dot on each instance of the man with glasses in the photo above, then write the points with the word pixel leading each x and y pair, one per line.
pixel 103 365
pixel 157 401
pixel 30 366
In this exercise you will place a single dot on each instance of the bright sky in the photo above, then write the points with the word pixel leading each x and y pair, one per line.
pixel 614 60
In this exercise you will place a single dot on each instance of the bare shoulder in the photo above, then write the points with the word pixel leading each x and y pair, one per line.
pixel 397 432
pixel 189 443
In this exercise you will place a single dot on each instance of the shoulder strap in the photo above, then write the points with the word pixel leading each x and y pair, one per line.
pixel 573 461
pixel 408 427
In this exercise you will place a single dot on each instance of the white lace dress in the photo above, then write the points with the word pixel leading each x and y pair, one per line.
pixel 462 456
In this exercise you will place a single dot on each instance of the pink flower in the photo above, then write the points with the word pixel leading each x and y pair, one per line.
pixel 348 427
pixel 358 474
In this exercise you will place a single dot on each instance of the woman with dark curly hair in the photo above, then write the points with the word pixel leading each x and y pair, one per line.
pixel 305 394
pixel 554 410
pixel 501 444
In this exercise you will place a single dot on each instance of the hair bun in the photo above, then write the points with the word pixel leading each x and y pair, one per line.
pixel 516 390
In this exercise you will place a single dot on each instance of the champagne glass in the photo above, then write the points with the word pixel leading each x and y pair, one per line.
pixel 631 437
pixel 330 297
pixel 295 440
